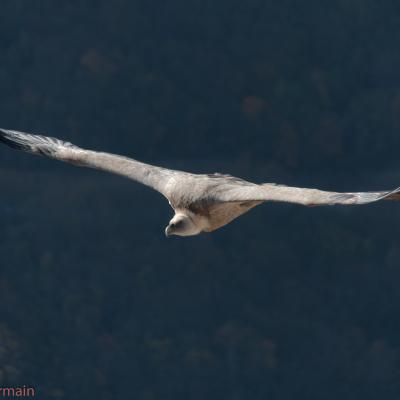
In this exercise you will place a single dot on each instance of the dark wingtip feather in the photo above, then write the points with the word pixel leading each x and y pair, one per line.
pixel 35 144
pixel 392 195
pixel 11 139
pixel 369 197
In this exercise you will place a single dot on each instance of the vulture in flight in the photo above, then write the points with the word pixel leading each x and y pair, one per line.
pixel 201 202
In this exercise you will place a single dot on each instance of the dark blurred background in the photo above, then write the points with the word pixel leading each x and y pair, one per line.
pixel 285 302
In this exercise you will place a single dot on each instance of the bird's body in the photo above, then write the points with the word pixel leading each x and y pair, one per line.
pixel 202 202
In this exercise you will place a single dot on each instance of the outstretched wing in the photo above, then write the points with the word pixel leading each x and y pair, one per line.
pixel 155 177
pixel 308 197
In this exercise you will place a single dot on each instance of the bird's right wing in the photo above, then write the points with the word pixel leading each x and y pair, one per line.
pixel 155 177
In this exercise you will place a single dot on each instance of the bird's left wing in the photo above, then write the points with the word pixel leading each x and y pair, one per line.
pixel 309 197
pixel 155 177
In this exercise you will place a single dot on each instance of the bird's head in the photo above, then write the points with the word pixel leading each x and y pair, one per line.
pixel 182 225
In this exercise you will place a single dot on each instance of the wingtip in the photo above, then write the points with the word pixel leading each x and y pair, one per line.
pixel 7 137
pixel 5 132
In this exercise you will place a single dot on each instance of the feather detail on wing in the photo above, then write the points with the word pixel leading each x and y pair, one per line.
pixel 155 177
pixel 307 197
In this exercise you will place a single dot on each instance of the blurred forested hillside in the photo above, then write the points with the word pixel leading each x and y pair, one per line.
pixel 284 303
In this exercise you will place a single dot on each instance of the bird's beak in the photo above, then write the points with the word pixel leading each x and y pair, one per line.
pixel 167 231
